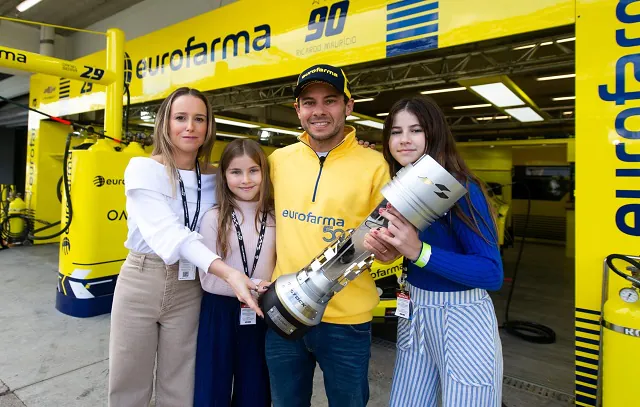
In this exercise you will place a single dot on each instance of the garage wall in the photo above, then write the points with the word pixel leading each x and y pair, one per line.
pixel 140 19
pixel 548 219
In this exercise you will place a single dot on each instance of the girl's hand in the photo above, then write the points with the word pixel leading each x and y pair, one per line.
pixel 261 285
pixel 402 234
pixel 241 284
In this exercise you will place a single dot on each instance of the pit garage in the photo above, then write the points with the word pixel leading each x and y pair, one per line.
pixel 507 81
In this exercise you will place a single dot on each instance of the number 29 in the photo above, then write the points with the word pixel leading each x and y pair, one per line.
pixel 323 20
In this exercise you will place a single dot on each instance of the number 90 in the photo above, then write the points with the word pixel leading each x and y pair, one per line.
pixel 318 20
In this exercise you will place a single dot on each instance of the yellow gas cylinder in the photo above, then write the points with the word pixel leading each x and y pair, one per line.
pixel 621 334
pixel 17 225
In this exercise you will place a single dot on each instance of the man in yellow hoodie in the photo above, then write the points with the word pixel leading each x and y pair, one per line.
pixel 324 184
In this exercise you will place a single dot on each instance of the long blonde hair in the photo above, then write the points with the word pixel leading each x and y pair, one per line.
pixel 225 198
pixel 162 144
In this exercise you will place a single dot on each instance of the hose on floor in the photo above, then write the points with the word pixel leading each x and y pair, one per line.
pixel 526 330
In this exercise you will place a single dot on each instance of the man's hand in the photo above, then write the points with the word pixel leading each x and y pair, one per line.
pixel 401 235
pixel 384 252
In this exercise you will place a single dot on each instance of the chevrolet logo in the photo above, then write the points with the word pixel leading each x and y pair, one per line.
pixel 441 187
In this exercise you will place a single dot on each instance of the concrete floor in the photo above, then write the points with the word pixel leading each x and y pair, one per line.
pixel 50 359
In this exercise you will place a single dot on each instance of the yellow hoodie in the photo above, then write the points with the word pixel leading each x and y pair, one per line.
pixel 315 201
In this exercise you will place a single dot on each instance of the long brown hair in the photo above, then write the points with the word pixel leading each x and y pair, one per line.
pixel 441 146
pixel 162 144
pixel 226 202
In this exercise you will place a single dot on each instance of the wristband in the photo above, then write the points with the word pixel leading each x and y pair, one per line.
pixel 424 256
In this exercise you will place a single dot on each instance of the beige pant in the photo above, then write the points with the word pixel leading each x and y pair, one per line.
pixel 153 314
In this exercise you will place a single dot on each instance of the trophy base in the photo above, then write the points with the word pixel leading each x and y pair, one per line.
pixel 279 318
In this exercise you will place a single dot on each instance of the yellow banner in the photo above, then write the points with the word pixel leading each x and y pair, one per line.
pixel 246 42
pixel 607 167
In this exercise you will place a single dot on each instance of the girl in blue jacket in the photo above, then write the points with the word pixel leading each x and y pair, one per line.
pixel 448 348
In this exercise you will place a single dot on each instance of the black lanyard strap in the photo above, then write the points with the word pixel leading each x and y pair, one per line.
pixel 243 253
pixel 185 207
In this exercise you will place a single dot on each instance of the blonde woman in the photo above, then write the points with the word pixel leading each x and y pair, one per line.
pixel 156 303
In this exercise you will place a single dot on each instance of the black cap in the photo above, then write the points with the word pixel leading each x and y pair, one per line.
pixel 326 74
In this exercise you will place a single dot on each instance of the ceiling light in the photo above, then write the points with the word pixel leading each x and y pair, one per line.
pixel 471 106
pixel 492 118
pixel 382 114
pixel 352 117
pixel 524 114
pixel 236 123
pixel 564 98
pixel 282 131
pixel 429 92
pixel 363 100
pixel 566 40
pixel 230 135
pixel 533 45
pixel 26 5
pixel 371 123
pixel 550 78
pixel 498 93
pixel 567 113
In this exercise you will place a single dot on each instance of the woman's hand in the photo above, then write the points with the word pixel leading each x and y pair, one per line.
pixel 241 285
pixel 401 234
pixel 367 144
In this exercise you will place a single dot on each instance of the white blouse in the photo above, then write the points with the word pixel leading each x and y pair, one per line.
pixel 155 216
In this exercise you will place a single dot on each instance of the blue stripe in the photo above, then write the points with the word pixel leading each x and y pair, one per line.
pixel 588 321
pixel 587 360
pixel 412 32
pixel 590 341
pixel 587 331
pixel 585 389
pixel 586 399
pixel 402 3
pixel 587 350
pixel 587 370
pixel 415 10
pixel 407 47
pixel 585 379
pixel 627 194
pixel 412 21
pixel 588 311
pixel 627 172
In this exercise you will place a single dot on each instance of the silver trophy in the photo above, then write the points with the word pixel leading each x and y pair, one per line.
pixel 422 192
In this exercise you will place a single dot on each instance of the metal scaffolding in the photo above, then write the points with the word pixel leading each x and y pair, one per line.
pixel 530 56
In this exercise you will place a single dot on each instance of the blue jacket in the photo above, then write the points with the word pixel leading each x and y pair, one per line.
pixel 460 258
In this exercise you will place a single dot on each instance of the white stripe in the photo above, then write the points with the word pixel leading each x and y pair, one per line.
pixel 449 353
pixel 79 290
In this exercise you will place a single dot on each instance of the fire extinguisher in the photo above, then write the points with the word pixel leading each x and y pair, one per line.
pixel 17 224
pixel 620 334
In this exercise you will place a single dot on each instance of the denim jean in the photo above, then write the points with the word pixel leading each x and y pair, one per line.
pixel 343 353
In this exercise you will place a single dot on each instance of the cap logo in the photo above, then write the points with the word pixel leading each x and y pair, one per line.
pixel 319 69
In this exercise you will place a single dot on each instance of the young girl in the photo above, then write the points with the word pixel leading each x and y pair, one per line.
pixel 449 351
pixel 230 361
pixel 156 303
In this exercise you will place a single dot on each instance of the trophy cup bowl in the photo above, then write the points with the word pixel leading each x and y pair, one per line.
pixel 422 192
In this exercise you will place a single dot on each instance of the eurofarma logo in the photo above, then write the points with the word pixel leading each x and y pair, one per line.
pixel 100 181
pixel 311 218
pixel 13 56
pixel 204 52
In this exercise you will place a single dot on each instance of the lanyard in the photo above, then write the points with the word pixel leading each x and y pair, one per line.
pixel 243 253
pixel 185 207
